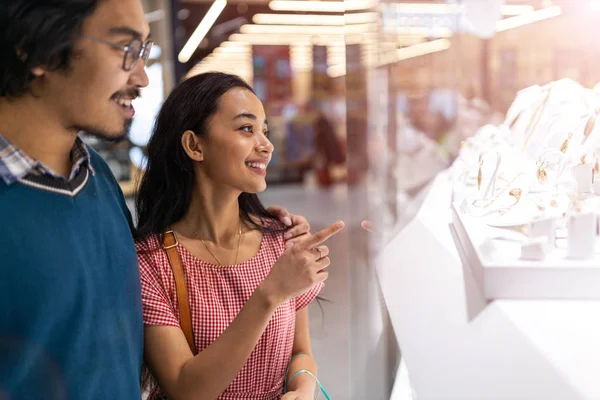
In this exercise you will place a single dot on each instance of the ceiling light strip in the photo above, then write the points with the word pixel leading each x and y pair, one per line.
pixel 201 30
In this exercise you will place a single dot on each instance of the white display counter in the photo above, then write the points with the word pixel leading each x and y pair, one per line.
pixel 502 273
pixel 459 346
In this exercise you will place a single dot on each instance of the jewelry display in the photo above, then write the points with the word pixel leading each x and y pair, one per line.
pixel 479 174
pixel 537 115
pixel 589 126
pixel 541 174
pixel 540 205
pixel 545 227
pixel 583 175
pixel 530 234
pixel 597 187
pixel 534 249
pixel 501 192
pixel 565 145
pixel 581 236
pixel 491 187
pixel 516 193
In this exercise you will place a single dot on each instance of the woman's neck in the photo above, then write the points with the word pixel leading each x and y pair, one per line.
pixel 214 217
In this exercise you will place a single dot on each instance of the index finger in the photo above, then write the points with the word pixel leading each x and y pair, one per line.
pixel 324 234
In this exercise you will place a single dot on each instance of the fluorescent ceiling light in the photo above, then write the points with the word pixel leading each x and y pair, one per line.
pixel 423 32
pixel 203 27
pixel 516 9
pixel 306 19
pixel 525 19
pixel 235 45
pixel 442 8
pixel 321 6
pixel 306 39
pixel 422 49
pixel 313 29
pixel 336 70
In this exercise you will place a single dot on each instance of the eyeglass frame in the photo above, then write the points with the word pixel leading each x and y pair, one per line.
pixel 145 48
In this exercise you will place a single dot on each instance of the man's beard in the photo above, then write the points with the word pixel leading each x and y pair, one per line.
pixel 111 138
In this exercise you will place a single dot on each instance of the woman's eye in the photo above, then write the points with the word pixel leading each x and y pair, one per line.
pixel 247 128
pixel 267 133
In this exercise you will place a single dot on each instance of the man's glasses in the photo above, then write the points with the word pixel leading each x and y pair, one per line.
pixel 135 50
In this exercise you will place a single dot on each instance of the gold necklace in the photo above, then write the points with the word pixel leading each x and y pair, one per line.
pixel 211 253
pixel 502 191
pixel 537 116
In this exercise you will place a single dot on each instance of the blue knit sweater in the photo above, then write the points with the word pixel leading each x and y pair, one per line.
pixel 70 302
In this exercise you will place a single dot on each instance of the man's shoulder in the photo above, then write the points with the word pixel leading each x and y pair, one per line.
pixel 97 162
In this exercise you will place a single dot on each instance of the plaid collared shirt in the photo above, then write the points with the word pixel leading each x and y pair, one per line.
pixel 15 165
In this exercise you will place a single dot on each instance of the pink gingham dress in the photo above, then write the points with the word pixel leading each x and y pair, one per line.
pixel 217 294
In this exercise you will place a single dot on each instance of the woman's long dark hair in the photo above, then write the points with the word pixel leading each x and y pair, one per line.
pixel 36 33
pixel 165 190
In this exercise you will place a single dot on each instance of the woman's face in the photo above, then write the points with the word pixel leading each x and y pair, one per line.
pixel 236 148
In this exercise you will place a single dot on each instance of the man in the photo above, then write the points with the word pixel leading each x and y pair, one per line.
pixel 70 302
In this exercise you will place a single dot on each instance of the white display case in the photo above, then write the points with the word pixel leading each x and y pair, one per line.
pixel 502 273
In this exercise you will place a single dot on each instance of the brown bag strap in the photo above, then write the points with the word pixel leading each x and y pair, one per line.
pixel 169 243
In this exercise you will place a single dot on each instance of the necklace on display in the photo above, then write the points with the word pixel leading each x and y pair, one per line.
pixel 501 192
pixel 589 126
pixel 541 173
pixel 565 145
pixel 537 115
pixel 479 174
pixel 211 253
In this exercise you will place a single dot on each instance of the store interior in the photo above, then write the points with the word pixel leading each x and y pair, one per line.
pixel 465 131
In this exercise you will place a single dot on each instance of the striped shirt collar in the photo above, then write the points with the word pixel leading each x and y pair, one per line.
pixel 15 165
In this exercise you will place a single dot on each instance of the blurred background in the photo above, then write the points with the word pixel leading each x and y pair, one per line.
pixel 368 101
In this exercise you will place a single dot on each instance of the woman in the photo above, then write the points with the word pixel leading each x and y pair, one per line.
pixel 207 160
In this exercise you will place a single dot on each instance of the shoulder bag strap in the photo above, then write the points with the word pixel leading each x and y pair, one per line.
pixel 169 243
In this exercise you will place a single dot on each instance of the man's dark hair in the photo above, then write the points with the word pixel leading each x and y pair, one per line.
pixel 37 33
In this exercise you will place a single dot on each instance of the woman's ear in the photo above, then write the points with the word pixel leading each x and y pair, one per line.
pixel 192 146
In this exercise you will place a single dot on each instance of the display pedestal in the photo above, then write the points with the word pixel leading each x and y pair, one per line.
pixel 458 346
pixel 501 273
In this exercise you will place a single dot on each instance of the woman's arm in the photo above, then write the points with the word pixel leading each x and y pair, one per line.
pixel 205 376
pixel 208 374
pixel 303 384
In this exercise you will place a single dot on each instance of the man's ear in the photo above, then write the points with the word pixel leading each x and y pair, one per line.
pixel 192 146
pixel 38 71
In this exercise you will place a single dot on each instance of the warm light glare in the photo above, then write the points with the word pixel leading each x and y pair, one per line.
pixel 336 70
pixel 422 49
pixel 201 31
pixel 293 19
pixel 321 6
pixel 525 19
pixel 307 19
pixel 307 39
pixel 235 44
pixel 444 9
pixel 423 32
pixel 231 50
pixel 516 9
pixel 303 30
